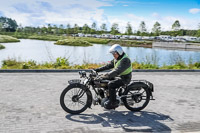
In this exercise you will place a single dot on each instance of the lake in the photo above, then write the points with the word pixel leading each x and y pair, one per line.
pixel 46 51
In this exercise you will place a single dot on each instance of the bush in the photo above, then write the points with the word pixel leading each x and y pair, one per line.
pixel 2 47
pixel 143 65
pixel 197 64
pixel 29 65
pixel 63 63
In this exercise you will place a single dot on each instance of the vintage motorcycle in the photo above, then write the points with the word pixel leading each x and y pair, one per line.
pixel 77 96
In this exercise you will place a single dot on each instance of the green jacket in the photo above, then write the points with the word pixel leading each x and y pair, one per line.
pixel 121 69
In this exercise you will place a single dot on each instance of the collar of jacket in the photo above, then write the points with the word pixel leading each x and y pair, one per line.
pixel 120 56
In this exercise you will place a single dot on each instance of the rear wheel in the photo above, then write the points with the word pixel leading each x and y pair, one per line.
pixel 137 98
pixel 75 99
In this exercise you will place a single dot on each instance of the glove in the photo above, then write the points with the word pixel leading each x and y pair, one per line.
pixel 104 76
pixel 93 71
pixel 96 70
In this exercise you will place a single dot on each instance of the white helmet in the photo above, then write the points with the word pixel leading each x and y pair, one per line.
pixel 116 48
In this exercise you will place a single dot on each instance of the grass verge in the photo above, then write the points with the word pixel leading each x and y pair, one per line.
pixel 63 63
pixel 6 39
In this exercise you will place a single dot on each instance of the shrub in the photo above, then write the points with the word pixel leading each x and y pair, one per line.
pixel 2 47
pixel 197 64
pixel 61 62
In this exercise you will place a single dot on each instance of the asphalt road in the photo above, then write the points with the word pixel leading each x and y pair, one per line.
pixel 29 103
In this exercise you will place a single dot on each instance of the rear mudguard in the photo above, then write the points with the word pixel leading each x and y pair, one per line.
pixel 78 84
pixel 142 83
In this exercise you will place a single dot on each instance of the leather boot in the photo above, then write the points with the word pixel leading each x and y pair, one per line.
pixel 111 105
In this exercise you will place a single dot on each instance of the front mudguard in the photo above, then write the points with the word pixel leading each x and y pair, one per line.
pixel 87 90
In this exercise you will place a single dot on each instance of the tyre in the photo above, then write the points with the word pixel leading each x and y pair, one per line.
pixel 137 98
pixel 75 99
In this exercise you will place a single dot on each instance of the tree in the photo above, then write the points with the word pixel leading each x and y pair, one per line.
pixel 114 29
pixel 156 28
pixel 176 25
pixel 44 29
pixel 93 28
pixel 198 31
pixel 1 26
pixel 76 28
pixel 129 29
pixel 61 29
pixel 19 28
pixel 55 29
pixel 8 24
pixel 103 28
pixel 86 29
pixel 142 27
pixel 68 30
pixel 49 28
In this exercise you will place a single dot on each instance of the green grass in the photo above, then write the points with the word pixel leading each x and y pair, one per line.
pixel 6 39
pixel 96 40
pixel 2 47
pixel 132 43
pixel 73 42
pixel 60 63
pixel 63 63
pixel 49 37
pixel 46 37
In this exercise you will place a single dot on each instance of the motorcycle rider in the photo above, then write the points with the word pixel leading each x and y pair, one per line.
pixel 121 73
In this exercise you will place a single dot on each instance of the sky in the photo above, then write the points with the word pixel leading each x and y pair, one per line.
pixel 43 12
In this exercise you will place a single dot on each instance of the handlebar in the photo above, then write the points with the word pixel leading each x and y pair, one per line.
pixel 93 73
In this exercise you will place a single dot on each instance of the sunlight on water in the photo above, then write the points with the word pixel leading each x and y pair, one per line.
pixel 46 51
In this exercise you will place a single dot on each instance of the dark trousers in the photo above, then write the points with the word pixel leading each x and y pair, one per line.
pixel 112 85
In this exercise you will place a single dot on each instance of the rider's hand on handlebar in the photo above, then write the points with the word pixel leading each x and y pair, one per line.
pixel 104 76
pixel 94 71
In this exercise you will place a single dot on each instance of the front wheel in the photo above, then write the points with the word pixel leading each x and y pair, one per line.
pixel 137 98
pixel 75 99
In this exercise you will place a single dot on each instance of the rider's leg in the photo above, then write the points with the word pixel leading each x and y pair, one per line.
pixel 112 85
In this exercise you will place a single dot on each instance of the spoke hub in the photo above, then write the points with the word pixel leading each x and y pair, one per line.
pixel 137 97
pixel 75 98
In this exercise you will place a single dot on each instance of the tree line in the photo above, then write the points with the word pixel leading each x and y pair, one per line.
pixel 10 25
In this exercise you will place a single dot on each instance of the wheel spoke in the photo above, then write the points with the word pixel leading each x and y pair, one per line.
pixel 81 94
pixel 137 98
pixel 81 102
pixel 75 99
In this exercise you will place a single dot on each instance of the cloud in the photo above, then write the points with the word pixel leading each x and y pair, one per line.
pixel 194 10
pixel 34 13
pixel 155 14
pixel 1 13
pixel 43 12
pixel 165 21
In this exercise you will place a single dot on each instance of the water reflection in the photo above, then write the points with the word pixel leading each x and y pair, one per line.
pixel 42 51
